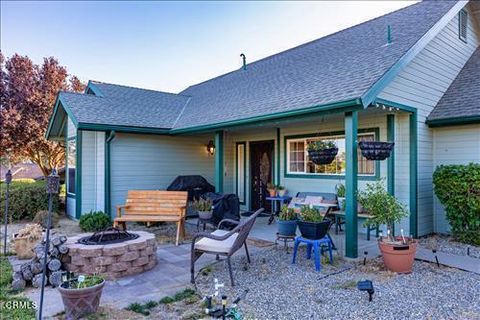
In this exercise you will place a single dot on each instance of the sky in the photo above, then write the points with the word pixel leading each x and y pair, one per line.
pixel 169 46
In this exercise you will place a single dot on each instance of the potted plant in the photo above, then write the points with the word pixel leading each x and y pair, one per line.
pixel 281 191
pixel 81 295
pixel 322 151
pixel 376 150
pixel 398 252
pixel 287 221
pixel 204 207
pixel 340 189
pixel 272 189
pixel 312 225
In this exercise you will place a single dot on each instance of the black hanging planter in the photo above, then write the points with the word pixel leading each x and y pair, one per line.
pixel 376 150
pixel 323 156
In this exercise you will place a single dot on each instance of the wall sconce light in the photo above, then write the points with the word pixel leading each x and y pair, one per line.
pixel 211 148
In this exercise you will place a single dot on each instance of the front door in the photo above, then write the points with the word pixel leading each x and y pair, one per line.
pixel 261 169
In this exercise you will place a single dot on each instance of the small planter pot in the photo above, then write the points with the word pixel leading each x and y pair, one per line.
pixel 24 246
pixel 376 150
pixel 80 302
pixel 281 193
pixel 287 227
pixel 341 203
pixel 398 257
pixel 272 192
pixel 313 230
pixel 325 156
pixel 205 215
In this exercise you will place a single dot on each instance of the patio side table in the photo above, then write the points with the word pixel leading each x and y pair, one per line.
pixel 275 209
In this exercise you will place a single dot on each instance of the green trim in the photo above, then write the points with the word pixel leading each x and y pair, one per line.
pixel 342 106
pixel 70 195
pixel 453 121
pixel 219 161
pixel 59 103
pixel 413 174
pixel 93 88
pixel 391 159
pixel 374 177
pixel 401 63
pixel 395 105
pixel 278 177
pixel 108 138
pixel 351 181
pixel 78 176
pixel 123 129
pixel 244 170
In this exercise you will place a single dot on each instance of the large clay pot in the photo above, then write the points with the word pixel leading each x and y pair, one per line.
pixel 397 257
pixel 287 227
pixel 80 302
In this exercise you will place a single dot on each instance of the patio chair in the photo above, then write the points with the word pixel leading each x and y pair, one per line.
pixel 223 242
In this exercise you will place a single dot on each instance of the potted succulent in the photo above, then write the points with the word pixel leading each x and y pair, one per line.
pixel 340 189
pixel 204 207
pixel 272 189
pixel 81 295
pixel 376 150
pixel 398 252
pixel 312 224
pixel 281 191
pixel 322 151
pixel 287 221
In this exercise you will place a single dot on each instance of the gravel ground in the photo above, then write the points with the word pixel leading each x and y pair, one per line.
pixel 449 245
pixel 280 290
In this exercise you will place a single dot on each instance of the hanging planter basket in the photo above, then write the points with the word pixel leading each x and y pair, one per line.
pixel 376 150
pixel 323 156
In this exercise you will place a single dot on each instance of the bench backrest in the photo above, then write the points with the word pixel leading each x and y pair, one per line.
pixel 155 202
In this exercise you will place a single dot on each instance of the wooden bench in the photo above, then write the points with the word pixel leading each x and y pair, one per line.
pixel 154 206
pixel 340 215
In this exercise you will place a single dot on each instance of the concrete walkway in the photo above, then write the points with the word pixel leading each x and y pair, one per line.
pixel 451 260
pixel 170 275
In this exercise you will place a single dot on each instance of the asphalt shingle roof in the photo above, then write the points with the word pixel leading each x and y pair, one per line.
pixel 462 98
pixel 338 67
pixel 127 106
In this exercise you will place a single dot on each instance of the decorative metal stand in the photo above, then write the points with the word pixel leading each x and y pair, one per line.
pixel 8 180
pixel 285 239
pixel 53 182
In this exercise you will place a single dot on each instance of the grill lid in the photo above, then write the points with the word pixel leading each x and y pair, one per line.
pixel 108 236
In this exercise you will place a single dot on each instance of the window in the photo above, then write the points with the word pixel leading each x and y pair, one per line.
pixel 462 25
pixel 71 165
pixel 241 173
pixel 298 161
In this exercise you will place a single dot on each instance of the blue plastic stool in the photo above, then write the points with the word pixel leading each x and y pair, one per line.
pixel 317 249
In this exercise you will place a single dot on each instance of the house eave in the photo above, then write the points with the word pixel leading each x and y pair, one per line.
pixel 457 121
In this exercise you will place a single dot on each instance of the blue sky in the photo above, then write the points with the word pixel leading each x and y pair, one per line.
pixel 170 45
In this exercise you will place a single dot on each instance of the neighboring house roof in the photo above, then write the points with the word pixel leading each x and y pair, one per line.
pixel 461 102
pixel 125 106
pixel 23 171
pixel 343 70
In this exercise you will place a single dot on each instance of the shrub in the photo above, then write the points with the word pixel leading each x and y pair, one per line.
pixel 310 214
pixel 458 189
pixel 94 221
pixel 287 214
pixel 26 199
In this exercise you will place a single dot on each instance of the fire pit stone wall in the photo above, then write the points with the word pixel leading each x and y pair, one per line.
pixel 114 260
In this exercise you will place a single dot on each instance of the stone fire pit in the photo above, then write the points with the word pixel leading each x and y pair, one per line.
pixel 115 260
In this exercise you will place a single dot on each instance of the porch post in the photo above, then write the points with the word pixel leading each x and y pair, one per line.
pixel 351 176
pixel 413 174
pixel 391 159
pixel 219 161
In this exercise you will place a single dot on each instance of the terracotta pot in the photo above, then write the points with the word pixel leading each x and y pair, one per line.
pixel 272 192
pixel 80 302
pixel 397 257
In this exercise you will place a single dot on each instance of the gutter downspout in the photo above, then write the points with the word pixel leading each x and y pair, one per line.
pixel 108 139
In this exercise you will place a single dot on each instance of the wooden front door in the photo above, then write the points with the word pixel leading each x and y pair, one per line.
pixel 261 169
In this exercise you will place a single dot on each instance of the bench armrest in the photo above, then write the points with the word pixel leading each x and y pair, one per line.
pixel 119 209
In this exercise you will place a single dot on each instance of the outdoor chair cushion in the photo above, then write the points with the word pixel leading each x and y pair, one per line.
pixel 211 245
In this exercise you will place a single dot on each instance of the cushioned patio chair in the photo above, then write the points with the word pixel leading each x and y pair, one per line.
pixel 223 242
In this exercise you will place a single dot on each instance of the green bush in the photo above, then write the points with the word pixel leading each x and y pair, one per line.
pixel 26 199
pixel 458 189
pixel 95 221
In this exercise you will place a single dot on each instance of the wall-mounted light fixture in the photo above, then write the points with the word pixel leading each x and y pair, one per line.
pixel 211 148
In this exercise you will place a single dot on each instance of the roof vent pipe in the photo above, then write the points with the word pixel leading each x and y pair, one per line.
pixel 389 35
pixel 244 67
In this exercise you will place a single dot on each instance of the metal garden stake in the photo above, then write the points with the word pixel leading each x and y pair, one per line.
pixel 53 182
pixel 8 180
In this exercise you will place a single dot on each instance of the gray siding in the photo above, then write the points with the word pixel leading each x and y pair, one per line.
pixel 151 162
pixel 453 145
pixel 421 85
pixel 93 171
